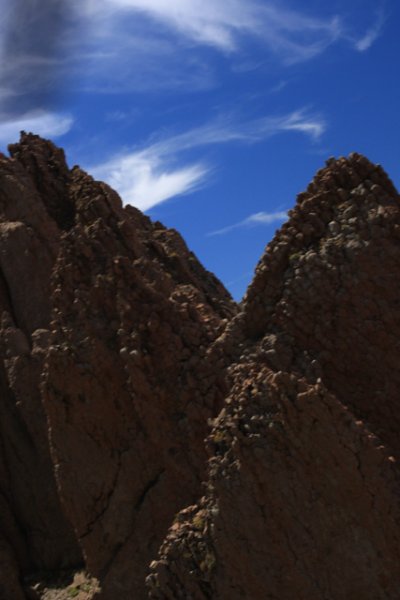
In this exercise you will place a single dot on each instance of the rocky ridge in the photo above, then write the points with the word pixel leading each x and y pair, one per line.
pixel 119 352
pixel 302 496
pixel 107 322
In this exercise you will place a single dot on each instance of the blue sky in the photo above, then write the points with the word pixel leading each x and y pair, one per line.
pixel 209 115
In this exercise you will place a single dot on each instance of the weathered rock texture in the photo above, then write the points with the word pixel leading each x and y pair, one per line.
pixel 302 498
pixel 118 350
pixel 107 323
pixel 34 534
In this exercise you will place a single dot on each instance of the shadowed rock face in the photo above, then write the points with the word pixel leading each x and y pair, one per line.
pixel 118 350
pixel 34 534
pixel 107 384
pixel 134 316
pixel 329 282
pixel 303 483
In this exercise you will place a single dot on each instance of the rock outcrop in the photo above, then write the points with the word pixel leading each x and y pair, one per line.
pixel 107 323
pixel 34 533
pixel 302 498
pixel 152 429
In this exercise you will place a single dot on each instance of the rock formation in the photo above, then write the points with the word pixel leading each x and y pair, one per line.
pixel 107 386
pixel 121 354
pixel 302 498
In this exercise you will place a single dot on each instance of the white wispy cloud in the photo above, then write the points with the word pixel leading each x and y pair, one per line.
pixel 152 45
pixel 260 218
pixel 372 34
pixel 144 179
pixel 231 129
pixel 46 124
pixel 154 174
pixel 223 24
pixel 109 46
pixel 300 121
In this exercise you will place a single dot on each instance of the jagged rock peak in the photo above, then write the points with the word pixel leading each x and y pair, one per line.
pixel 46 164
pixel 303 481
pixel 344 193
pixel 120 354
pixel 324 297
pixel 107 377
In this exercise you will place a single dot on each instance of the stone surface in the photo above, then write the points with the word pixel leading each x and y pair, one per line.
pixel 107 386
pixel 303 484
pixel 134 317
pixel 121 354
pixel 32 524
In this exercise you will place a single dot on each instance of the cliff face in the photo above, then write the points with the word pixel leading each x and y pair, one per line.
pixel 34 532
pixel 118 351
pixel 303 483
pixel 107 384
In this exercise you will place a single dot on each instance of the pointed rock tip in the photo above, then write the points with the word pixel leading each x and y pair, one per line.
pixel 31 144
pixel 347 173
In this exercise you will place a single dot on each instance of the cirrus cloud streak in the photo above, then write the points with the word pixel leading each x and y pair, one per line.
pixel 260 218
pixel 151 175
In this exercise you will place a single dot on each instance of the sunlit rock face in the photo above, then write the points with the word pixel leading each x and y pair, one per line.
pixel 176 445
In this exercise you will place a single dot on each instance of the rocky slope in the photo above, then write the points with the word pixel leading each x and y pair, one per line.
pixel 302 497
pixel 118 352
pixel 107 322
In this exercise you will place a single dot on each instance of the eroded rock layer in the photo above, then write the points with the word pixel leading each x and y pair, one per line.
pixel 107 324
pixel 121 354
pixel 35 535
pixel 302 497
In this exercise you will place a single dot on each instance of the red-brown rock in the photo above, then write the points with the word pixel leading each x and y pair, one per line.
pixel 35 535
pixel 303 486
pixel 118 350
pixel 134 317
pixel 107 321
